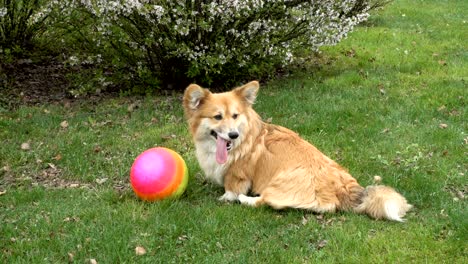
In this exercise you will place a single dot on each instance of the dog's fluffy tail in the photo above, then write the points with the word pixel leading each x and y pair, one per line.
pixel 382 202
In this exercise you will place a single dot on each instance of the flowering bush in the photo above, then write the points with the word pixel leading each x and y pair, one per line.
pixel 16 27
pixel 210 42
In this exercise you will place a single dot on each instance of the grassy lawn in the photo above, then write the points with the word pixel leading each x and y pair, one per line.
pixel 390 100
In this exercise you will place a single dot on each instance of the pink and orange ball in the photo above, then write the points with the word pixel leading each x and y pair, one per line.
pixel 159 173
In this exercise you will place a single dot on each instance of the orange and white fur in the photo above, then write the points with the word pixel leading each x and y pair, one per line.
pixel 236 149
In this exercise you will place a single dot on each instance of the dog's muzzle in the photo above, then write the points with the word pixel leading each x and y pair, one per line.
pixel 231 136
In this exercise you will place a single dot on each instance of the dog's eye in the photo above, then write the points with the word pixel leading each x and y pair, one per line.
pixel 235 116
pixel 218 117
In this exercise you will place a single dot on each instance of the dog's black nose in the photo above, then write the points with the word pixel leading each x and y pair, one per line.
pixel 233 135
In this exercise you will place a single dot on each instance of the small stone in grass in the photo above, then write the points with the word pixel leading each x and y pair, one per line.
pixel 25 146
pixel 139 251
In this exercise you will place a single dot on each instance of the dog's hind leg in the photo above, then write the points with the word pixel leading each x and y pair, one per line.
pixel 296 188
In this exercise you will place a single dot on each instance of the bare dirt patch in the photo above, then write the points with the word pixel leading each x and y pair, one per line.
pixel 43 81
pixel 28 82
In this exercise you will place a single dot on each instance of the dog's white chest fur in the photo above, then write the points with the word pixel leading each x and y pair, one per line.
pixel 206 155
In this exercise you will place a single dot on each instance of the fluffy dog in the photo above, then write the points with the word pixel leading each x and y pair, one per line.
pixel 236 149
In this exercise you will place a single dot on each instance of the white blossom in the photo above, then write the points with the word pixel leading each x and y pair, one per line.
pixel 213 33
pixel 3 11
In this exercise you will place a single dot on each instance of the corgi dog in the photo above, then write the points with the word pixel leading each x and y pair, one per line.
pixel 239 151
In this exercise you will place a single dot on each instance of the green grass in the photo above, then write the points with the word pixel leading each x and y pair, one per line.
pixel 376 107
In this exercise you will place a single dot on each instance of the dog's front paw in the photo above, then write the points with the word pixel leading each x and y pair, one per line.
pixel 228 196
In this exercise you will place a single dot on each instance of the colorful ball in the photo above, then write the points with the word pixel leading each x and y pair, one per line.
pixel 158 173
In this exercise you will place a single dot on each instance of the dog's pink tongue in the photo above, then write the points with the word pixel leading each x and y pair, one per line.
pixel 221 150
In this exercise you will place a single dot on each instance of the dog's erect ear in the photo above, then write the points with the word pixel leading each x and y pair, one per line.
pixel 248 92
pixel 193 97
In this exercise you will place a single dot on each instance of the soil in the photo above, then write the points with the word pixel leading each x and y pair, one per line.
pixel 45 81
pixel 28 82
